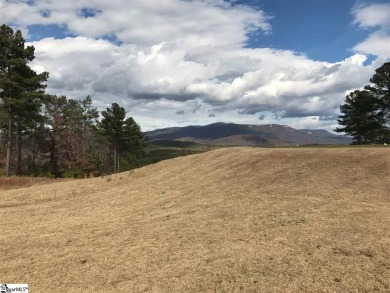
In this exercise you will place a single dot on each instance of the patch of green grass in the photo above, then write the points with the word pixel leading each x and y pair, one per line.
pixel 160 150
pixel 175 144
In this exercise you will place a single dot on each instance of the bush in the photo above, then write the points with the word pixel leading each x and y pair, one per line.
pixel 47 174
pixel 74 172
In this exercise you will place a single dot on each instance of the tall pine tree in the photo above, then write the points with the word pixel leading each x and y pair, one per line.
pixel 380 88
pixel 21 88
pixel 124 134
pixel 360 117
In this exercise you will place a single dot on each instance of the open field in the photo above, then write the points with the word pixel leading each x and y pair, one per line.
pixel 228 220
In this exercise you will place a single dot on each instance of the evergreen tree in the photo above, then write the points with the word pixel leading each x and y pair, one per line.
pixel 124 134
pixel 366 114
pixel 380 88
pixel 360 117
pixel 111 128
pixel 21 88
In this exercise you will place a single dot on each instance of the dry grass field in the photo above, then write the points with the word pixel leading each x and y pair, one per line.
pixel 229 220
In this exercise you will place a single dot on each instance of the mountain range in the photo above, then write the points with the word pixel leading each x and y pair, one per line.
pixel 247 135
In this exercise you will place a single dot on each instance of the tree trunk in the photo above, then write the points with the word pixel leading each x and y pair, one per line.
pixel 114 159
pixel 19 147
pixel 9 144
pixel 54 157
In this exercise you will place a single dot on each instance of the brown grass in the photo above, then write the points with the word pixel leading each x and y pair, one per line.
pixel 230 220
pixel 7 183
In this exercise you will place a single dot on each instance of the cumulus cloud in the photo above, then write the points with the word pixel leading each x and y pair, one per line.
pixel 375 16
pixel 191 23
pixel 377 44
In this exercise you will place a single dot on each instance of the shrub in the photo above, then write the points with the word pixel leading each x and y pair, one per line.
pixel 74 172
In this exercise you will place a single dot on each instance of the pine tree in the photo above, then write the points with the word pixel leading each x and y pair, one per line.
pixel 380 88
pixel 124 134
pixel 360 117
pixel 21 88
pixel 366 114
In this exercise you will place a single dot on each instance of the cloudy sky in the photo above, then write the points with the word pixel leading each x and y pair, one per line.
pixel 189 62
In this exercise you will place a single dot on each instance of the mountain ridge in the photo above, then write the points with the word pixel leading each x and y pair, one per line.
pixel 247 135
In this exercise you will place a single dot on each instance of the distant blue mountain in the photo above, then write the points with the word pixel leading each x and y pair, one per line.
pixel 247 135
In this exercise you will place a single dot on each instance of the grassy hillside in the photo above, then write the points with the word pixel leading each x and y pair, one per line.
pixel 228 220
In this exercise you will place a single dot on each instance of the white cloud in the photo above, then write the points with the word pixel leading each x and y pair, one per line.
pixel 193 23
pixel 375 16
pixel 278 79
pixel 376 44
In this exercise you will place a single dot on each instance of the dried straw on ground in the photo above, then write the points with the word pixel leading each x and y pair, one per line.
pixel 230 220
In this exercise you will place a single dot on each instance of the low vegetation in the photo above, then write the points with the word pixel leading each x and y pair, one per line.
pixel 228 220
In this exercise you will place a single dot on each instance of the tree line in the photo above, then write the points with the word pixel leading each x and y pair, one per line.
pixel 365 115
pixel 51 135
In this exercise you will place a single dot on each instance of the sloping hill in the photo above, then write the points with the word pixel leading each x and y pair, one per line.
pixel 247 135
pixel 229 220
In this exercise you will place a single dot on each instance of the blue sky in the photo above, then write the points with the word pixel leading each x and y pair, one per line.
pixel 174 63
pixel 321 29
